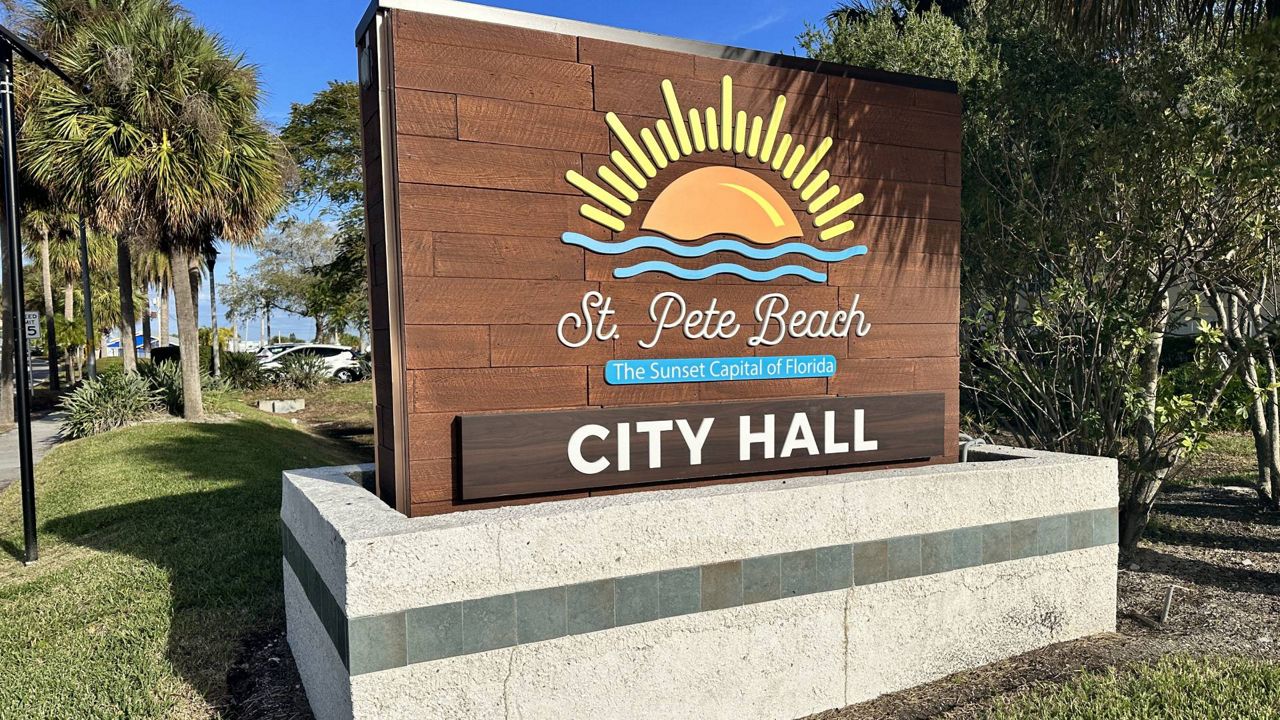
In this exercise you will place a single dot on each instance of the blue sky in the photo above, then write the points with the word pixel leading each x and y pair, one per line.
pixel 300 45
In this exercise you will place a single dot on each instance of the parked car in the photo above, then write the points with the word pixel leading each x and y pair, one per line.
pixel 275 349
pixel 342 361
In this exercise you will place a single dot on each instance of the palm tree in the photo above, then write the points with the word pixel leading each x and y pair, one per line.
pixel 168 143
pixel 151 268
pixel 42 221
pixel 64 270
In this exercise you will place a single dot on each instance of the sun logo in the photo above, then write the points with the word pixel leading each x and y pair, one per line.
pixel 717 200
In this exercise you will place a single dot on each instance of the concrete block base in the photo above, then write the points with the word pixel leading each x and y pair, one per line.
pixel 771 599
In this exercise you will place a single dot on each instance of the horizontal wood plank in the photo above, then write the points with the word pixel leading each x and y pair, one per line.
pixel 484 389
pixel 492 74
pixel 504 256
pixel 506 122
pixel 427 114
pixel 414 28
pixel 446 346
pixel 538 345
pixel 480 301
pixel 437 161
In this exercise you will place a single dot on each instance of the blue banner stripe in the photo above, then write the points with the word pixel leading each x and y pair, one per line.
pixel 722 369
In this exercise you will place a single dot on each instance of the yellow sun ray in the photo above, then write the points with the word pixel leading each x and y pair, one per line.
pixel 677 119
pixel 753 144
pixel 794 162
pixel 695 128
pixel 601 218
pixel 624 188
pixel 835 230
pixel 811 163
pixel 621 132
pixel 740 132
pixel 713 135
pixel 813 187
pixel 781 155
pixel 668 140
pixel 779 106
pixel 635 176
pixel 726 113
pixel 841 208
pixel 821 201
pixel 597 193
pixel 655 150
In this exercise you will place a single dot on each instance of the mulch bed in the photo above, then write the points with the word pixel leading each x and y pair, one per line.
pixel 1219 550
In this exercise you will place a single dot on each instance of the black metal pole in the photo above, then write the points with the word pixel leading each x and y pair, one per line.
pixel 89 339
pixel 22 406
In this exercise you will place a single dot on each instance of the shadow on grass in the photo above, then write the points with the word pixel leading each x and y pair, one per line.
pixel 214 526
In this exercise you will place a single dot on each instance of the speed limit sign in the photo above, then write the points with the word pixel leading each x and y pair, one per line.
pixel 33 325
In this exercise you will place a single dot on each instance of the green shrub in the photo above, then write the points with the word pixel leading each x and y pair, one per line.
pixel 301 372
pixel 166 378
pixel 108 365
pixel 113 400
pixel 241 371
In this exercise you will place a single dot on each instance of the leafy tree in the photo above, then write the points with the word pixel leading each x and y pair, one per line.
pixel 324 137
pixel 288 276
pixel 1085 219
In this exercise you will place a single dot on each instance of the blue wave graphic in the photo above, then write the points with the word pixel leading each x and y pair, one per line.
pixel 723 245
pixel 654 266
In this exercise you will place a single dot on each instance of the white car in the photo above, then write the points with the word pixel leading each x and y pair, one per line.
pixel 341 361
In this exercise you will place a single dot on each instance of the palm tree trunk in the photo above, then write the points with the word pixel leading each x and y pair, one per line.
pixel 46 285
pixel 213 312
pixel 146 324
pixel 184 286
pixel 164 310
pixel 68 308
pixel 128 321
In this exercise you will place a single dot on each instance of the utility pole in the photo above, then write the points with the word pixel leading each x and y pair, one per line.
pixel 9 44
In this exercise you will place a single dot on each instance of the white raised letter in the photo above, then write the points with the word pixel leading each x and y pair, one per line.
pixel 654 428
pixel 580 463
pixel 829 444
pixel 859 444
pixel 673 300
pixel 695 441
pixel 799 427
pixel 746 438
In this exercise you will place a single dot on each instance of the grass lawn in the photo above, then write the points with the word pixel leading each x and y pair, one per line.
pixel 159 552
pixel 1176 688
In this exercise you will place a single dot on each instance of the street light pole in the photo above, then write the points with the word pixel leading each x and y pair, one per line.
pixel 9 44
pixel 22 406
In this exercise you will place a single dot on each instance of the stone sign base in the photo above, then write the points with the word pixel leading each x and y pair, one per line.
pixel 770 599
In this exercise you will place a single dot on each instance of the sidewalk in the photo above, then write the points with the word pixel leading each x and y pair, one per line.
pixel 44 435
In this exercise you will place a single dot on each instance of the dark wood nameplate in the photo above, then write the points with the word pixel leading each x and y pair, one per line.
pixel 508 454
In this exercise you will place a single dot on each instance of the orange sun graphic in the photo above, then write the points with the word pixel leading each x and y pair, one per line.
pixel 722 200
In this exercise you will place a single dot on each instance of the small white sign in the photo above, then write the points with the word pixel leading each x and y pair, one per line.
pixel 33 325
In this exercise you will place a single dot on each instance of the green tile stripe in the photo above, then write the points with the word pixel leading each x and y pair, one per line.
pixel 322 600
pixel 381 642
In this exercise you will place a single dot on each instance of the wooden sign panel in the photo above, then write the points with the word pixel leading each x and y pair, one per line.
pixel 544 452
pixel 570 218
